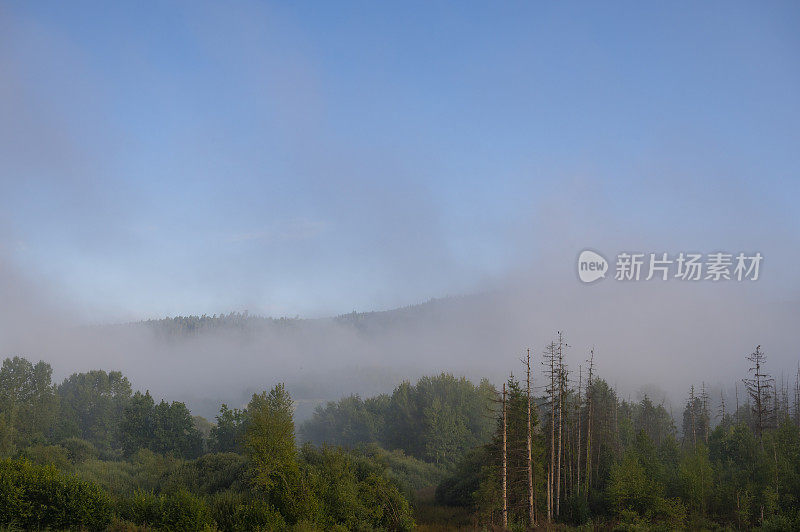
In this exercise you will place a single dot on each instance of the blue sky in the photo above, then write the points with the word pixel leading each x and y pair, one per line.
pixel 315 158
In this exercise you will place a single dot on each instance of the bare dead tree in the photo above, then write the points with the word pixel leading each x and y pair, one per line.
pixel 691 413
pixel 550 360
pixel 531 507
pixel 560 372
pixel 797 397
pixel 578 411
pixel 758 388
pixel 589 412
pixel 784 408
pixel 705 411
pixel 505 460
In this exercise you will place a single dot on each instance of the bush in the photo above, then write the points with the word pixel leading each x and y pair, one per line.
pixel 576 510
pixel 36 497
pixel 210 474
pixel 47 454
pixel 177 511
pixel 408 472
pixel 234 512
pixel 79 450
pixel 145 471
pixel 671 512
pixel 458 489
pixel 353 491
pixel 779 523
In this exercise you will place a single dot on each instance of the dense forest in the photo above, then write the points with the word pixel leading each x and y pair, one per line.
pixel 441 453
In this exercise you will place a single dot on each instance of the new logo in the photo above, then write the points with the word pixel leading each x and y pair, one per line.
pixel 591 266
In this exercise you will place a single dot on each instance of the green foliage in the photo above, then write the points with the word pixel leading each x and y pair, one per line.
pixel 227 435
pixel 162 428
pixel 177 511
pixel 211 473
pixel 436 420
pixel 653 420
pixel 47 454
pixel 474 481
pixel 91 406
pixel 144 470
pixel 635 488
pixel 79 450
pixel 440 418
pixel 459 488
pixel 28 403
pixel 438 432
pixel 629 488
pixel 409 473
pixel 36 497
pixel 349 422
pixel 236 512
pixel 269 438
pixel 785 446
pixel 696 422
pixel 575 509
pixel 696 478
pixel 781 523
pixel 353 492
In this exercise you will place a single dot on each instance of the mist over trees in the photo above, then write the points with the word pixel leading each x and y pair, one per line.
pixel 90 454
pixel 563 448
pixel 597 457
pixel 436 420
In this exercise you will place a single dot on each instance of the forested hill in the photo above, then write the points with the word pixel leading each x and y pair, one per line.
pixel 226 357
pixel 371 321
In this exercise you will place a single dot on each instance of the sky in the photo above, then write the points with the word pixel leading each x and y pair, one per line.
pixel 321 157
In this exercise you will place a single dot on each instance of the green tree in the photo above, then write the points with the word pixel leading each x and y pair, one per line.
pixel 163 428
pixel 629 488
pixel 28 402
pixel 697 479
pixel 227 434
pixel 348 422
pixel 137 428
pixel 91 406
pixel 269 438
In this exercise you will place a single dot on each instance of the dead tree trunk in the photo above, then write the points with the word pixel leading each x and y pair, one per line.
pixel 531 516
pixel 550 353
pixel 505 460
pixel 797 397
pixel 578 446
pixel 589 412
pixel 758 387
pixel 560 411
pixel 691 412
pixel 706 413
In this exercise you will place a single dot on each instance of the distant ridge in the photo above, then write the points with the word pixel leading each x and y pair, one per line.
pixel 244 321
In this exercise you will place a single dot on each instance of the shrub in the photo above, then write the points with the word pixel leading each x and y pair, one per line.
pixel 36 497
pixel 779 523
pixel 176 511
pixel 210 474
pixel 234 512
pixel 47 454
pixel 79 450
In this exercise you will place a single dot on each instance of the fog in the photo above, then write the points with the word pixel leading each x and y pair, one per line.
pixel 647 336
pixel 259 180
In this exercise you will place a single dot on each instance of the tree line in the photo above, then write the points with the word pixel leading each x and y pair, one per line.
pixel 550 447
pixel 89 454
pixel 596 458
